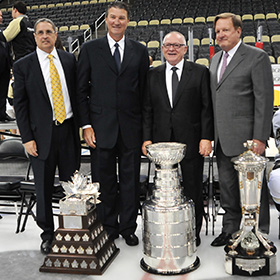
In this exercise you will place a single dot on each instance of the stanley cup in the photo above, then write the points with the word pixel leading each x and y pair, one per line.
pixel 168 217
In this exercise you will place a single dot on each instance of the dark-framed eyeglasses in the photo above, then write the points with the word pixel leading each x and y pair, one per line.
pixel 175 46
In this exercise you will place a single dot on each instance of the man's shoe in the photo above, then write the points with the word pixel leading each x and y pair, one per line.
pixel 6 118
pixel 112 237
pixel 197 241
pixel 131 240
pixel 46 247
pixel 221 240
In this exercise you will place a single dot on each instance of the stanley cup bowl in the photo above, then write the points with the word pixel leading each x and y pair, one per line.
pixel 168 217
pixel 166 154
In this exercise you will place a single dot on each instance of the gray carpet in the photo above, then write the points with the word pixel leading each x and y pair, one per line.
pixel 24 265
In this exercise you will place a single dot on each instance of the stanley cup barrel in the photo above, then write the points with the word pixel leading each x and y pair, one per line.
pixel 249 252
pixel 168 217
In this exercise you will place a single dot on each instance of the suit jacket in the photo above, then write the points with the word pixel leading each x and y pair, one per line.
pixel 108 100
pixel 4 58
pixel 243 99
pixel 190 119
pixel 32 104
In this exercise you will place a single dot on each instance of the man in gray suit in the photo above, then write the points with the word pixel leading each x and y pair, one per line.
pixel 242 94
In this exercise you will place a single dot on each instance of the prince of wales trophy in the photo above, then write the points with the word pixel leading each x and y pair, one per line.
pixel 249 252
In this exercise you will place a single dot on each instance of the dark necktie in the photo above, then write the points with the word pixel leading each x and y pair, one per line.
pixel 117 57
pixel 175 82
pixel 224 65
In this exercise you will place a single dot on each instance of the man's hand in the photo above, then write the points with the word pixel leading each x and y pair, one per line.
pixel 205 147
pixel 260 147
pixel 31 148
pixel 146 143
pixel 89 136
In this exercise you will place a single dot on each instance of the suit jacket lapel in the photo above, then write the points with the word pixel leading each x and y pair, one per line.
pixel 36 68
pixel 214 65
pixel 128 54
pixel 161 76
pixel 67 73
pixel 237 58
pixel 106 53
pixel 185 77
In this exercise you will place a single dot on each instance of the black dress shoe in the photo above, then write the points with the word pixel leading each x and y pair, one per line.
pixel 6 118
pixel 46 247
pixel 113 236
pixel 197 241
pixel 131 240
pixel 221 240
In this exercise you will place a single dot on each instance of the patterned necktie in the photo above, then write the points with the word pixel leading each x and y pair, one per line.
pixel 224 65
pixel 117 57
pixel 57 96
pixel 175 82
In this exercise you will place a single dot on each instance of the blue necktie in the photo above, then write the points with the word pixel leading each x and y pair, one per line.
pixel 117 57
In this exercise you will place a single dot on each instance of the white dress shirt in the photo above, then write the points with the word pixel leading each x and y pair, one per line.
pixel 168 77
pixel 231 53
pixel 45 67
pixel 112 43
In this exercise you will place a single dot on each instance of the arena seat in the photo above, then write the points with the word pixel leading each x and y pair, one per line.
pixel 203 61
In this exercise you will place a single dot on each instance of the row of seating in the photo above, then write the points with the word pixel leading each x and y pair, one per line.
pixel 78 16
pixel 59 3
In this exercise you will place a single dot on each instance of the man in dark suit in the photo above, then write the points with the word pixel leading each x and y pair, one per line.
pixel 111 81
pixel 242 93
pixel 44 101
pixel 4 78
pixel 182 114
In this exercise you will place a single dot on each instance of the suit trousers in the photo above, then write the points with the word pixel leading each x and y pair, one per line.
pixel 230 195
pixel 119 193
pixel 4 86
pixel 61 155
pixel 192 173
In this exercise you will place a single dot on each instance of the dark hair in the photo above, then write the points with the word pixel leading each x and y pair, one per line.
pixel 58 43
pixel 119 5
pixel 236 21
pixel 44 20
pixel 20 6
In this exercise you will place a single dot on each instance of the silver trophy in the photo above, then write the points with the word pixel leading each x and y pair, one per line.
pixel 249 252
pixel 168 217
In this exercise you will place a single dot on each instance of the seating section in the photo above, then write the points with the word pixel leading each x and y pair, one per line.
pixel 151 19
pixel 71 18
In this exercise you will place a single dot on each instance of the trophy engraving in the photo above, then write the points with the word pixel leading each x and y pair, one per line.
pixel 80 245
pixel 249 252
pixel 168 217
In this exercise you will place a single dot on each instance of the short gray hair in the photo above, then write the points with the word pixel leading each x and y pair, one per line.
pixel 44 20
pixel 178 33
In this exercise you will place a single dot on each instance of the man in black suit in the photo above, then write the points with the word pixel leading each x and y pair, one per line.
pixel 178 107
pixel 45 112
pixel 4 78
pixel 111 81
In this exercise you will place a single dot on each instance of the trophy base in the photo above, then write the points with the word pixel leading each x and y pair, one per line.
pixel 151 270
pixel 83 265
pixel 256 265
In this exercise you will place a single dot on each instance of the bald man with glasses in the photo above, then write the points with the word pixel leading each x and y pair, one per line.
pixel 178 107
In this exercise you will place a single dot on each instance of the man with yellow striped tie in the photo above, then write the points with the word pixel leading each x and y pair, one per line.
pixel 44 101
